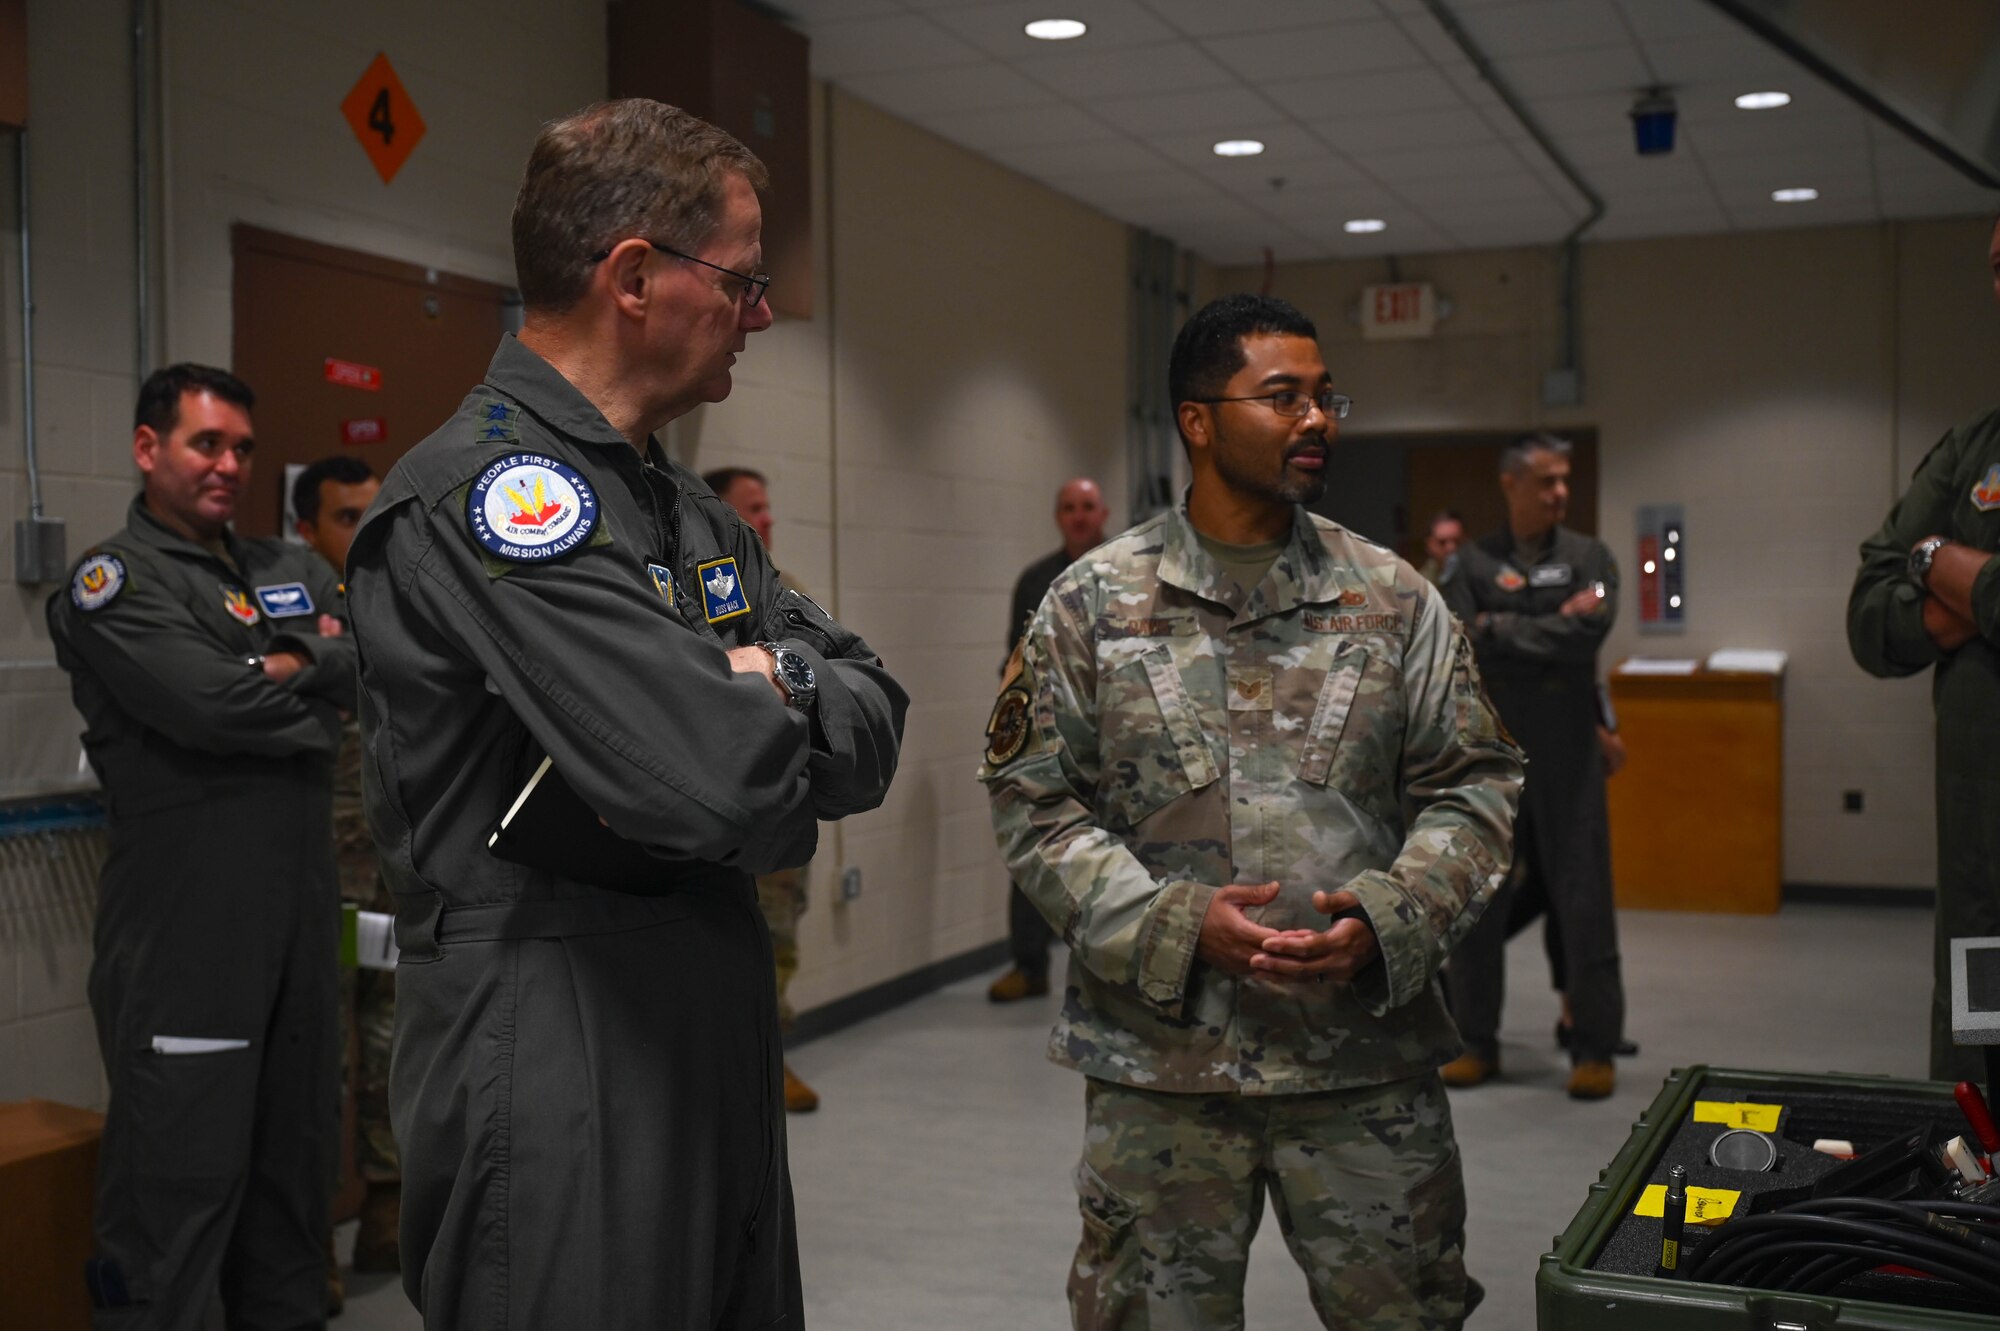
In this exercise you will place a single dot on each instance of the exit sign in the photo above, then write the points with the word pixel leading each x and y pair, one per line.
pixel 1405 309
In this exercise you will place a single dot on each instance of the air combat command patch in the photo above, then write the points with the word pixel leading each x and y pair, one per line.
pixel 97 580
pixel 1986 494
pixel 525 508
pixel 237 602
pixel 1509 579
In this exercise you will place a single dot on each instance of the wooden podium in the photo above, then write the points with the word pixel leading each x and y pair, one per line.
pixel 1697 814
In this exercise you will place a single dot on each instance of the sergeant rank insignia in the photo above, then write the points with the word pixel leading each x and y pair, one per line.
pixel 1510 580
pixel 237 602
pixel 97 580
pixel 1986 494
pixel 285 599
pixel 722 593
pixel 525 508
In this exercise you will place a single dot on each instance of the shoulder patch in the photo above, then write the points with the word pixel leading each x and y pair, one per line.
pixel 525 508
pixel 663 581
pixel 239 605
pixel 1007 726
pixel 285 599
pixel 722 593
pixel 98 579
pixel 1986 494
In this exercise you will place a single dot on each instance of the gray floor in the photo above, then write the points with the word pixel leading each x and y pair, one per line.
pixel 933 1185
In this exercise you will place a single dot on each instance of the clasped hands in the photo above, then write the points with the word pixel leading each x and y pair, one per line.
pixel 1232 941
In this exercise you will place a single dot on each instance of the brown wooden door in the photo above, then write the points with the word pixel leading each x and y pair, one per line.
pixel 298 304
pixel 1463 473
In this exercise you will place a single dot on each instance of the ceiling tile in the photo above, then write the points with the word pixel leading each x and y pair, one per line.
pixel 1540 26
pixel 1366 95
pixel 1430 195
pixel 1416 129
pixel 1460 161
pixel 1110 157
pixel 1723 57
pixel 1021 127
pixel 871 45
pixel 1286 145
pixel 1136 187
pixel 1128 72
pixel 1573 72
pixel 920 94
pixel 1230 111
pixel 1654 20
pixel 997 28
pixel 1318 53
pixel 1206 18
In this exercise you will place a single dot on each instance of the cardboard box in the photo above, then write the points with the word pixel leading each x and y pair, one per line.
pixel 48 1175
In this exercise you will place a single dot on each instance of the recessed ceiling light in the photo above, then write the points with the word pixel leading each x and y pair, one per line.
pixel 1056 29
pixel 1361 226
pixel 1800 195
pixel 1763 101
pixel 1239 148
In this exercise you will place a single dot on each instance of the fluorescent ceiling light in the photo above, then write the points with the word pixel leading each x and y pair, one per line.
pixel 1056 29
pixel 1801 195
pixel 1361 226
pixel 1238 148
pixel 1763 101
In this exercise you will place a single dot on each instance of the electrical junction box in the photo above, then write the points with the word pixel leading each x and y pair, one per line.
pixel 39 551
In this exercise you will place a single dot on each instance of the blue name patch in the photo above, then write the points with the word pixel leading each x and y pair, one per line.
pixel 663 581
pixel 286 598
pixel 722 593
pixel 526 508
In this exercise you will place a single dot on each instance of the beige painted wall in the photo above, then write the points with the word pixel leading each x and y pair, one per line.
pixel 968 357
pixel 1781 385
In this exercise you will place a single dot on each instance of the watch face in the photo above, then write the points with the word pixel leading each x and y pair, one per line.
pixel 798 673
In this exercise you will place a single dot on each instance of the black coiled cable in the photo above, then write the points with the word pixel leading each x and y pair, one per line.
pixel 1814 1245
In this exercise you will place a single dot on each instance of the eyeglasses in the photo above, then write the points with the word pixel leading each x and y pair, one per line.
pixel 751 293
pixel 1290 402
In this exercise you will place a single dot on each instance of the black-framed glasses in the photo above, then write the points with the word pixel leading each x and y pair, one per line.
pixel 752 292
pixel 1291 402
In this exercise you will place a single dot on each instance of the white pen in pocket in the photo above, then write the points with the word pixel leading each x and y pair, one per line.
pixel 195 1044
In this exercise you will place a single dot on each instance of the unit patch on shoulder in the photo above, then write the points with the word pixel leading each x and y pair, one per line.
pixel 97 580
pixel 722 593
pixel 1007 727
pixel 285 599
pixel 1510 579
pixel 663 581
pixel 237 602
pixel 1986 494
pixel 526 508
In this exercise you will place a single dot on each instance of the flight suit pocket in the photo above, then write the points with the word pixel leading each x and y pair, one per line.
pixel 1152 749
pixel 1347 744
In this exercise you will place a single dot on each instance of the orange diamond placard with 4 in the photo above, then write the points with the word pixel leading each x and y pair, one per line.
pixel 383 118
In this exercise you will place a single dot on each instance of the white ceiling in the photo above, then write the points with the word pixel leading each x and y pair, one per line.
pixel 1368 109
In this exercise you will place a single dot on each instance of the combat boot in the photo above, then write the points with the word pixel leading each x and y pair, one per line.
pixel 799 1097
pixel 375 1245
pixel 1468 1070
pixel 1592 1079
pixel 1016 985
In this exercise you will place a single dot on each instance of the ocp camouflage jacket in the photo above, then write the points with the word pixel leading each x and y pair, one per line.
pixel 1165 731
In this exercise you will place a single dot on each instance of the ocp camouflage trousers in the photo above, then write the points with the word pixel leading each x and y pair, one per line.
pixel 1366 1184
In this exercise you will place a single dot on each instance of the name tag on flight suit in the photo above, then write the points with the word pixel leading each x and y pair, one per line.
pixel 1549 575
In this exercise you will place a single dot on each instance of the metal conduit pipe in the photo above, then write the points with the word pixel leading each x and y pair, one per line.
pixel 27 334
pixel 1567 335
pixel 142 238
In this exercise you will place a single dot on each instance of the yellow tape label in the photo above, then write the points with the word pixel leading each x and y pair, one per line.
pixel 1763 1118
pixel 1706 1206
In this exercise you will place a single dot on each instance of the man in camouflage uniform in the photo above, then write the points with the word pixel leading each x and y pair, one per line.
pixel 781 896
pixel 1243 762
pixel 328 499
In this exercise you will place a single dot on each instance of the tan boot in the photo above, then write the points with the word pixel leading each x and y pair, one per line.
pixel 1469 1070
pixel 1016 985
pixel 1592 1080
pixel 336 1288
pixel 799 1097
pixel 375 1246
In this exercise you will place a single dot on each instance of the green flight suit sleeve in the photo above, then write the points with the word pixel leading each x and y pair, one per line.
pixel 1554 637
pixel 1462 774
pixel 643 716
pixel 331 671
pixel 1885 611
pixel 173 677
pixel 1125 926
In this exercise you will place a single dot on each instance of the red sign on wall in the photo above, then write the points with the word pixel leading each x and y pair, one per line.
pixel 1649 579
pixel 364 430
pixel 353 374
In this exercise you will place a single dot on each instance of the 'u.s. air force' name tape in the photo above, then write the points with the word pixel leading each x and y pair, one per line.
pixel 526 508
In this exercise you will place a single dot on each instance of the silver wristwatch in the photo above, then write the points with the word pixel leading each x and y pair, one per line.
pixel 794 675
pixel 1921 557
